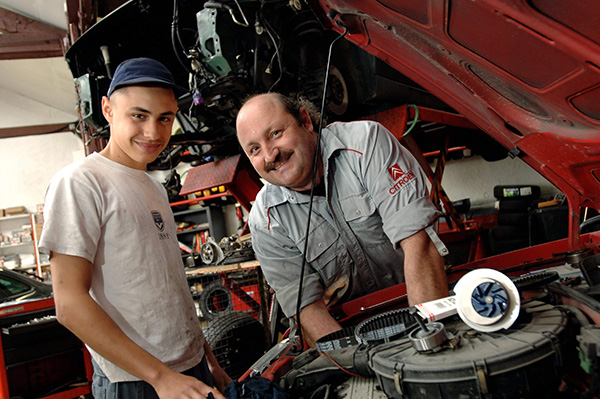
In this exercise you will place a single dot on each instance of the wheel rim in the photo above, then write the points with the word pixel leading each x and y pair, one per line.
pixel 338 92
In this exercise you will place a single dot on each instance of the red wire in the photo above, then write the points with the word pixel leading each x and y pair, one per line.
pixel 340 367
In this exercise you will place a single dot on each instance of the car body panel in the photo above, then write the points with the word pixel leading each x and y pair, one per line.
pixel 16 287
pixel 526 73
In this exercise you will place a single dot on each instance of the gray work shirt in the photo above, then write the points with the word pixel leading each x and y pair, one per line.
pixel 376 195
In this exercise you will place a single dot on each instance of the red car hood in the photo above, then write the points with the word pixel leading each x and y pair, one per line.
pixel 525 72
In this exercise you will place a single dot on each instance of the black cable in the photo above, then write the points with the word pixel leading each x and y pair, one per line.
pixel 277 43
pixel 312 188
pixel 178 32
pixel 256 49
pixel 174 36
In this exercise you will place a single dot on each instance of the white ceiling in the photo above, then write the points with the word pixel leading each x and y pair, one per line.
pixel 36 91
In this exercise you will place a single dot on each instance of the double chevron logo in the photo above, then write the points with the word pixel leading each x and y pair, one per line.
pixel 395 172
pixel 400 178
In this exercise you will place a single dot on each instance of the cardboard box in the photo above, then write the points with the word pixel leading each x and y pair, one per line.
pixel 2 213
pixel 15 210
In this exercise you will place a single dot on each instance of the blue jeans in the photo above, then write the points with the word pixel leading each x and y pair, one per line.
pixel 102 388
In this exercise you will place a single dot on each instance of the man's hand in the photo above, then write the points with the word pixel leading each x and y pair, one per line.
pixel 317 322
pixel 423 269
pixel 172 385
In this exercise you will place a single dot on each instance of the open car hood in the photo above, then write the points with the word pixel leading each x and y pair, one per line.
pixel 525 72
pixel 521 73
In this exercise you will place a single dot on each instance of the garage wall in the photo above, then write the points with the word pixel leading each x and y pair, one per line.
pixel 474 178
pixel 28 163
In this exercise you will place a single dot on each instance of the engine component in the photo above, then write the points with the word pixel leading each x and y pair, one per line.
pixel 328 368
pixel 385 327
pixel 211 252
pixel 521 362
pixel 437 309
pixel 210 43
pixel 487 300
pixel 428 338
pixel 535 280
pixel 229 250
pixel 589 347
pixel 363 388
pixel 337 340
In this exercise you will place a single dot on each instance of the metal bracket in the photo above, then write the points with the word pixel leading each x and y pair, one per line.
pixel 210 42
pixel 398 377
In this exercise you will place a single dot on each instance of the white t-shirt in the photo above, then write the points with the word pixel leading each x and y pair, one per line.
pixel 119 219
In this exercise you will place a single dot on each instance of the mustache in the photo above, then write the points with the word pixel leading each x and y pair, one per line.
pixel 280 158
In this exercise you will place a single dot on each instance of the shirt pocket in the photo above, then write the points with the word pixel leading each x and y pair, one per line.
pixel 363 218
pixel 326 253
pixel 358 207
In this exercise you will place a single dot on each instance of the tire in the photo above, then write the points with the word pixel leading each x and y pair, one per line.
pixel 237 340
pixel 338 93
pixel 351 80
pixel 592 224
pixel 214 299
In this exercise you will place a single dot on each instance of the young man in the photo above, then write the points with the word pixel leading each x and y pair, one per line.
pixel 371 222
pixel 119 282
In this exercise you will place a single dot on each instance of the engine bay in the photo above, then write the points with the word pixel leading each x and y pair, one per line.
pixel 550 349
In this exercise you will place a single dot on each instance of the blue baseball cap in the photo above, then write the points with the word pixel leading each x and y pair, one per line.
pixel 143 71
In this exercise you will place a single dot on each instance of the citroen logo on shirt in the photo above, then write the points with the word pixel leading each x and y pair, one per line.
pixel 395 172
pixel 401 178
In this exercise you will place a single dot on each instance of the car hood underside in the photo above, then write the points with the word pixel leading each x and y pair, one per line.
pixel 525 72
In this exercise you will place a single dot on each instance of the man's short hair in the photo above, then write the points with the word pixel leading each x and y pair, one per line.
pixel 293 105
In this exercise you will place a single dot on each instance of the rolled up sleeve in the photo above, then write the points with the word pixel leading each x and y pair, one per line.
pixel 398 186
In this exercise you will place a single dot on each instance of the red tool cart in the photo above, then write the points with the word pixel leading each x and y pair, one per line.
pixel 39 358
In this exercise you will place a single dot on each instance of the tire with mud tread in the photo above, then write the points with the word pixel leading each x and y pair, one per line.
pixel 214 299
pixel 237 340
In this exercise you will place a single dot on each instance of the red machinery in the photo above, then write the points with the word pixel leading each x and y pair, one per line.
pixel 38 356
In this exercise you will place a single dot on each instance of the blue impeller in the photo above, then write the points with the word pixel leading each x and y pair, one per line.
pixel 489 299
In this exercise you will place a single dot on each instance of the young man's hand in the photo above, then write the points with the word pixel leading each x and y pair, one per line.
pixel 178 386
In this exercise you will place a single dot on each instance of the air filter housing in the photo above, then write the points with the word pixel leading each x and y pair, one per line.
pixel 521 362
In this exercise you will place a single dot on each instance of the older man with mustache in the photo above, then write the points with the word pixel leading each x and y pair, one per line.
pixel 372 222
